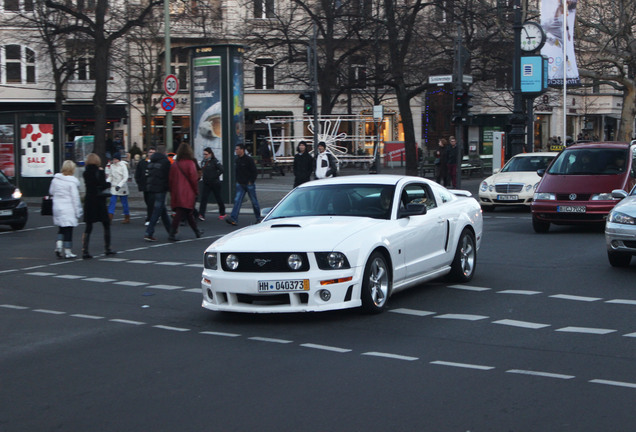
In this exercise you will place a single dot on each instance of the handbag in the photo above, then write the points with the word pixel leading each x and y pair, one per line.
pixel 104 191
pixel 47 206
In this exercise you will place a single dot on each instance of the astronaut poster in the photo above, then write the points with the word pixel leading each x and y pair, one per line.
pixel 552 23
pixel 36 150
pixel 207 112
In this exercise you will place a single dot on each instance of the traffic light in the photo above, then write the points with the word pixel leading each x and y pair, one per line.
pixel 308 105
pixel 462 106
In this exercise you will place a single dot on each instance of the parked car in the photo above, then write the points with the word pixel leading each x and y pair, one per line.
pixel 516 183
pixel 13 211
pixel 620 229
pixel 577 187
pixel 342 243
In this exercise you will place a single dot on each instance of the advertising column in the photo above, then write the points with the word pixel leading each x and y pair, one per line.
pixel 218 118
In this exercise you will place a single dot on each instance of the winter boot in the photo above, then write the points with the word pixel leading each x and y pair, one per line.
pixel 85 240
pixel 58 248
pixel 126 219
pixel 67 250
pixel 107 249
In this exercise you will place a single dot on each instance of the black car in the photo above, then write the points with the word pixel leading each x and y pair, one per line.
pixel 13 211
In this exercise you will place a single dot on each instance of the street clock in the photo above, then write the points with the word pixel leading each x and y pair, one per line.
pixel 532 37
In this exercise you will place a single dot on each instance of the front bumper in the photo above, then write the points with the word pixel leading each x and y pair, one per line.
pixel 11 214
pixel 238 292
pixel 620 238
pixel 595 212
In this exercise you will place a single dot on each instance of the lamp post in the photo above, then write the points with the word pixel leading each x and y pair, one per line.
pixel 166 27
pixel 518 119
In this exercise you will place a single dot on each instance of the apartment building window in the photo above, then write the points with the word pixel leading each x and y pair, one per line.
pixel 264 74
pixel 85 68
pixel 81 5
pixel 19 64
pixel 358 74
pixel 179 63
pixel 263 8
pixel 17 5
pixel 444 11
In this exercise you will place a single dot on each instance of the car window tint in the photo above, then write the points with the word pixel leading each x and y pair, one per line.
pixel 417 194
pixel 590 161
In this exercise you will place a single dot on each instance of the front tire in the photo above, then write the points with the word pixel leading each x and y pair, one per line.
pixel 618 259
pixel 465 261
pixel 376 284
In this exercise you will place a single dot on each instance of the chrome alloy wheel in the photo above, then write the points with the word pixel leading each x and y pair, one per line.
pixel 379 281
pixel 467 255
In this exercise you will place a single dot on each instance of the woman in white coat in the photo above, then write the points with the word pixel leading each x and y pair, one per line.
pixel 67 208
pixel 119 187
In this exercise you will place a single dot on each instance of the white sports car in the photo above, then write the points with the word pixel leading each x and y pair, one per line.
pixel 516 182
pixel 344 242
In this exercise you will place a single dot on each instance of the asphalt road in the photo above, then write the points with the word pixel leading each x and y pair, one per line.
pixel 542 339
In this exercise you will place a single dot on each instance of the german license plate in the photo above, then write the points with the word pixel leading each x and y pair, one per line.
pixel 507 197
pixel 571 209
pixel 284 285
pixel 6 212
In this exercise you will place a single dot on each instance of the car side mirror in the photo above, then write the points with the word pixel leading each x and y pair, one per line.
pixel 619 194
pixel 541 172
pixel 413 210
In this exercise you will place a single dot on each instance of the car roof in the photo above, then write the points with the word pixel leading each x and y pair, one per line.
pixel 381 179
pixel 600 144
pixel 536 154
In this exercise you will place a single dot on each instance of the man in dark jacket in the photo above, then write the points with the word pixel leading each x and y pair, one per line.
pixel 246 173
pixel 303 165
pixel 141 173
pixel 157 183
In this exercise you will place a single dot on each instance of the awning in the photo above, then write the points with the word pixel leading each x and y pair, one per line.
pixel 86 113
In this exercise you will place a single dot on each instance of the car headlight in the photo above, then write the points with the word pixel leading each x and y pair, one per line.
pixel 332 261
pixel 602 197
pixel 17 194
pixel 232 262
pixel 544 196
pixel 621 218
pixel 295 261
pixel 483 187
pixel 210 260
pixel 528 188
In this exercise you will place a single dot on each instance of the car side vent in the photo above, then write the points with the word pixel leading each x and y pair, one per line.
pixel 286 226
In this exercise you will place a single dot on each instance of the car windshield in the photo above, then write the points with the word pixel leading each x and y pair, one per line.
pixel 585 161
pixel 361 200
pixel 4 179
pixel 527 163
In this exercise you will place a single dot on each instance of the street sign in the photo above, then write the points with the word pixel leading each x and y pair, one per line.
pixel 440 79
pixel 468 79
pixel 378 112
pixel 168 104
pixel 171 85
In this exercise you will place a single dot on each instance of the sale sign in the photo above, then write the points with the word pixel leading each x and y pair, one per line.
pixel 36 150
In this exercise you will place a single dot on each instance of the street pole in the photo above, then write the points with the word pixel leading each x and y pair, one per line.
pixel 168 54
pixel 517 120
pixel 459 86
pixel 314 81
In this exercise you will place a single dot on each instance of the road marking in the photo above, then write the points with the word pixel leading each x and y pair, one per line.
pixel 194 265
pixel 193 290
pixel 468 288
pixel 113 259
pixel 99 280
pixel 9 306
pixel 391 356
pixel 41 274
pixel 93 317
pixel 48 311
pixel 462 365
pixel 265 339
pixel 630 335
pixel 220 334
pixel 576 298
pixel 177 329
pixel 123 321
pixel 466 317
pixel 613 383
pixel 326 348
pixel 523 324
pixel 131 283
pixel 141 261
pixel 68 276
pixel 415 312
pixel 588 330
pixel 519 292
pixel 169 263
pixel 622 301
pixel 9 271
pixel 540 374
pixel 165 287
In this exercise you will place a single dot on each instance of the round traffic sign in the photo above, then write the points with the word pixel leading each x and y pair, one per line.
pixel 168 104
pixel 171 85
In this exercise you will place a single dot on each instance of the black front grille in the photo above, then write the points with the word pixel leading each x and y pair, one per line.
pixel 270 299
pixel 8 204
pixel 581 217
pixel 508 187
pixel 630 244
pixel 266 262
pixel 579 197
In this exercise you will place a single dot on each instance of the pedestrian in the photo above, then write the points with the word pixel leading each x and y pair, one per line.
pixel 452 161
pixel 441 162
pixel 67 208
pixel 119 187
pixel 141 175
pixel 158 184
pixel 184 185
pixel 95 203
pixel 246 173
pixel 326 164
pixel 303 165
pixel 211 170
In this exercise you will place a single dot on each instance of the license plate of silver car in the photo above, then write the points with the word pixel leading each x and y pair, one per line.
pixel 571 209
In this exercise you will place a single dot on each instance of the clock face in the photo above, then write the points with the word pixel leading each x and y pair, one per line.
pixel 532 37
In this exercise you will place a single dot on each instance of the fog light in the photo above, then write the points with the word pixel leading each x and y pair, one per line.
pixel 210 295
pixel 325 295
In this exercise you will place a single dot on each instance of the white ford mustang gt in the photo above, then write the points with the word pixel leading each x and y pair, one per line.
pixel 344 242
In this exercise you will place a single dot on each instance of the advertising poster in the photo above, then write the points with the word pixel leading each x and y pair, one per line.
pixel 238 135
pixel 552 20
pixel 7 160
pixel 36 150
pixel 207 113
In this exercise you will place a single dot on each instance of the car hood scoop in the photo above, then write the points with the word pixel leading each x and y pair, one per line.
pixel 286 225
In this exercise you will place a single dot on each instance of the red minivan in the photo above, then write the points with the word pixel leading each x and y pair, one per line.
pixel 577 186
